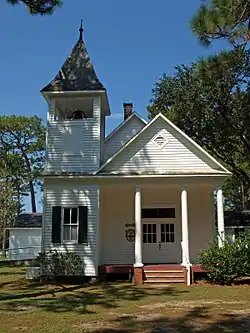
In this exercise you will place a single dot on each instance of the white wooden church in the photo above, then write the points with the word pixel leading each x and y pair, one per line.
pixel 140 199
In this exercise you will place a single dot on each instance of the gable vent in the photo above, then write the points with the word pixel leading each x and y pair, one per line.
pixel 160 141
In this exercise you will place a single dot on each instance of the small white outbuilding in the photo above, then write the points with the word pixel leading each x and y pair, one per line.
pixel 25 237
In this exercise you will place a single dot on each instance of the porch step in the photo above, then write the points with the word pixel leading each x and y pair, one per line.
pixel 157 280
pixel 163 271
pixel 164 276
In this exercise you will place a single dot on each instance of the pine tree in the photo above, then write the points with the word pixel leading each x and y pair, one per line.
pixel 223 19
pixel 40 7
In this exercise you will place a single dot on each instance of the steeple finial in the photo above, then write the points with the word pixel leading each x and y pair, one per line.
pixel 81 31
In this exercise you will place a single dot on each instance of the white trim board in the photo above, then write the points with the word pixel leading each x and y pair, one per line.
pixel 24 228
pixel 139 176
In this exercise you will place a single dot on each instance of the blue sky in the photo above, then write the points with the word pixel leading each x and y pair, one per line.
pixel 131 44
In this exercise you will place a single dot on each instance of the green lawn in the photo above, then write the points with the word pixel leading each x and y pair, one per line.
pixel 120 308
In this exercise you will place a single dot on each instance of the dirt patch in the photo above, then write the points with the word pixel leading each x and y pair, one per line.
pixel 189 304
pixel 90 326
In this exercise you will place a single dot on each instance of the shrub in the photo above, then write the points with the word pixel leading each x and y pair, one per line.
pixel 227 263
pixel 54 263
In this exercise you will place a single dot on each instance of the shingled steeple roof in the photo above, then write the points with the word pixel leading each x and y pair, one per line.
pixel 77 73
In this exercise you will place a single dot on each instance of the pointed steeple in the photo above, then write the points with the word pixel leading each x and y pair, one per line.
pixel 77 73
pixel 81 31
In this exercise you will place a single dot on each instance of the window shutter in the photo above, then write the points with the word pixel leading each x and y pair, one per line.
pixel 83 224
pixel 56 224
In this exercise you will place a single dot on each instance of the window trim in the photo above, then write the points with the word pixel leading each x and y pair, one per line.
pixel 63 224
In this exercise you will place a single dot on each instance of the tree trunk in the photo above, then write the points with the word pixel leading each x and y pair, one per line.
pixel 31 185
pixel 19 210
pixel 32 197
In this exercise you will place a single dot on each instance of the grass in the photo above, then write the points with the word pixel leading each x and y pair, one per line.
pixel 120 308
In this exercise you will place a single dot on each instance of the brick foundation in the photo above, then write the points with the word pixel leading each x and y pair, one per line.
pixel 138 275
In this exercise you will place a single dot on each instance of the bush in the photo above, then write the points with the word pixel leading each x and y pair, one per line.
pixel 54 264
pixel 227 263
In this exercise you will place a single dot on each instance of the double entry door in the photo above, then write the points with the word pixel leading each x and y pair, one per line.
pixel 159 241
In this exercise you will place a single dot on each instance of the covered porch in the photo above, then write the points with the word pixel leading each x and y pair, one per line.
pixel 157 225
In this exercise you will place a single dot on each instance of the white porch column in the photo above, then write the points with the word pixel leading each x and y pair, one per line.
pixel 138 229
pixel 185 231
pixel 220 217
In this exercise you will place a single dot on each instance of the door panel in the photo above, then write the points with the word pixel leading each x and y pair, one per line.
pixel 167 239
pixel 150 242
pixel 150 233
pixel 160 243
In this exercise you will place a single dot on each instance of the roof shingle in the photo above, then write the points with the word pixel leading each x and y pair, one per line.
pixel 77 72
pixel 28 220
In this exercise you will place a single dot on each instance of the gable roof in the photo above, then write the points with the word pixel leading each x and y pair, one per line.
pixel 222 170
pixel 28 220
pixel 77 73
pixel 133 115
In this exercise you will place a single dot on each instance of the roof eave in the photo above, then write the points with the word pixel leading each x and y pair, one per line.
pixel 134 176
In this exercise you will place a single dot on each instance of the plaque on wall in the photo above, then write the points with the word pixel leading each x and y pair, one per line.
pixel 130 235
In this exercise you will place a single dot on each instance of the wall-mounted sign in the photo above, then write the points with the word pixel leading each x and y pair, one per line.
pixel 130 235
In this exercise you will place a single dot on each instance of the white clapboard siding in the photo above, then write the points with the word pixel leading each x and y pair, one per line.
pixel 24 243
pixel 119 138
pixel 116 210
pixel 73 146
pixel 148 153
pixel 69 193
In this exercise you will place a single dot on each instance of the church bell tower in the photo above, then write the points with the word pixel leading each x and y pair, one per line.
pixel 77 107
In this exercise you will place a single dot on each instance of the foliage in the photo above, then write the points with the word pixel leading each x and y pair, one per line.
pixel 40 7
pixel 9 203
pixel 233 195
pixel 55 263
pixel 227 263
pixel 227 19
pixel 209 101
pixel 22 143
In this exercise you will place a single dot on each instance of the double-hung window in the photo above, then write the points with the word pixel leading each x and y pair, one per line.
pixel 70 224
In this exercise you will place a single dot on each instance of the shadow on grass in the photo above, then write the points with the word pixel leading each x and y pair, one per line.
pixel 199 319
pixel 12 273
pixel 77 298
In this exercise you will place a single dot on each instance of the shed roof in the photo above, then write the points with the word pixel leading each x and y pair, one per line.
pixel 28 220
pixel 236 219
